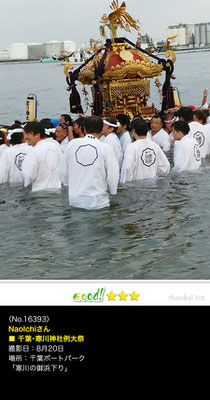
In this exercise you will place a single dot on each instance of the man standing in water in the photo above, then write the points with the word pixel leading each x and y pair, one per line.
pixel 122 131
pixel 187 156
pixel 40 167
pixel 197 130
pixel 90 168
pixel 143 159
pixel 157 134
pixel 109 131
pixel 61 135
pixel 13 156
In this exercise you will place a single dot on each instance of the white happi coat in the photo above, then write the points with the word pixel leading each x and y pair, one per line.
pixel 187 155
pixel 90 169
pixel 125 140
pixel 51 140
pixel 40 168
pixel 206 128
pixel 11 163
pixel 64 143
pixel 143 159
pixel 161 138
pixel 199 133
pixel 3 147
pixel 113 140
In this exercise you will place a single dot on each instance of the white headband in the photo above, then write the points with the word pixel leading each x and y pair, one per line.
pixel 170 120
pixel 10 132
pixel 49 131
pixel 112 125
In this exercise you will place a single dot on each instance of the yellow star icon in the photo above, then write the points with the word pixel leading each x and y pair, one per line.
pixel 123 296
pixel 134 296
pixel 111 296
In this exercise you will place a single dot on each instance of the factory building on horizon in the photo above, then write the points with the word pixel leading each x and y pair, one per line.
pixel 190 35
pixel 36 51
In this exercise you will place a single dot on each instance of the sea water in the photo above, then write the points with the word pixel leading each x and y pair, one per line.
pixel 156 229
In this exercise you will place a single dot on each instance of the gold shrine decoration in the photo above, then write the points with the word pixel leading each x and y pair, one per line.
pixel 67 65
pixel 169 40
pixel 131 63
pixel 137 68
pixel 128 97
pixel 119 72
pixel 119 17
pixel 128 88
pixel 170 53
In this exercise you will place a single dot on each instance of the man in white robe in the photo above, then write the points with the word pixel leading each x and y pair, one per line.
pixel 90 168
pixel 61 135
pixel 3 147
pixel 143 158
pixel 40 168
pixel 197 130
pixel 158 135
pixel 110 137
pixel 4 143
pixel 200 117
pixel 187 155
pixel 199 133
pixel 123 132
pixel 12 158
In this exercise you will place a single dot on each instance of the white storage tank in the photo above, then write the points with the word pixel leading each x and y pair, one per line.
pixel 4 55
pixel 52 48
pixel 35 51
pixel 18 51
pixel 69 46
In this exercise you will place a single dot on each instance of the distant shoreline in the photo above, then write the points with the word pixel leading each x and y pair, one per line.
pixel 177 51
pixel 19 61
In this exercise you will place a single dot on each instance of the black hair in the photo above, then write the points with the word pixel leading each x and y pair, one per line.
pixel 16 138
pixel 140 127
pixel 15 126
pixel 35 127
pixel 46 123
pixel 124 120
pixel 200 115
pixel 112 121
pixel 67 118
pixel 63 126
pixel 181 126
pixel 137 116
pixel 159 116
pixel 186 113
pixel 80 121
pixel 2 137
pixel 134 120
pixel 169 116
pixel 93 124
pixel 206 112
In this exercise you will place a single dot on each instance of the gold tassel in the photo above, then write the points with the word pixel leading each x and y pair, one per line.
pixel 102 31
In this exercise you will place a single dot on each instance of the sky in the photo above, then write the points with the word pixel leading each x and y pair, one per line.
pixel 39 21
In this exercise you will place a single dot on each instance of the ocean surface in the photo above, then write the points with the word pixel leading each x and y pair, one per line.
pixel 159 229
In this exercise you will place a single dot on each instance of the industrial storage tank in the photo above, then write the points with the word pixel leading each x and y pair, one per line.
pixel 69 46
pixel 18 51
pixel 4 55
pixel 52 49
pixel 35 51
